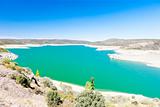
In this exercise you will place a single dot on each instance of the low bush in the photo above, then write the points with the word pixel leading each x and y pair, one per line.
pixel 27 70
pixel 24 81
pixel 12 65
pixel 38 91
pixel 67 96
pixel 90 99
pixel 65 88
pixel 6 61
pixel 6 65
pixel 48 83
pixel 3 50
pixel 13 76
pixel 53 99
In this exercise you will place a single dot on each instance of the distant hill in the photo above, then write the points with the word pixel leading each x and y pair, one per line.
pixel 143 44
pixel 40 41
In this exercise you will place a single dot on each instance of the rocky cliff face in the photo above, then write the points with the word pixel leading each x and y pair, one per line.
pixel 15 95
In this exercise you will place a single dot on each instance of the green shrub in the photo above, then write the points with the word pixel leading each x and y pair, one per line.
pixel 5 61
pixel 90 99
pixel 38 91
pixel 19 69
pixel 12 65
pixel 53 99
pixel 20 79
pixel 13 76
pixel 67 96
pixel 49 84
pixel 3 50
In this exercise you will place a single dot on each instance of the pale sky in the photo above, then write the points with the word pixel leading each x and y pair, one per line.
pixel 80 19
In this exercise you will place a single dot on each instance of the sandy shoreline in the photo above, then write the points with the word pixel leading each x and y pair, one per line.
pixel 79 89
pixel 27 46
pixel 149 57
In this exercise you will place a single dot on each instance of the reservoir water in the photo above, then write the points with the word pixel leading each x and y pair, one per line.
pixel 76 64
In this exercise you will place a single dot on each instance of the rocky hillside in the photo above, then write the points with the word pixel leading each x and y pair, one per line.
pixel 40 41
pixel 140 44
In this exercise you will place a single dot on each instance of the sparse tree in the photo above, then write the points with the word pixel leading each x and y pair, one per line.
pixel 37 73
pixel 90 84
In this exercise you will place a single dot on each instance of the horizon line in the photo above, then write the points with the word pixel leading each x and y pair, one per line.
pixel 77 39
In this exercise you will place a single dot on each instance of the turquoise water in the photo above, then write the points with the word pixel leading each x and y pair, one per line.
pixel 76 64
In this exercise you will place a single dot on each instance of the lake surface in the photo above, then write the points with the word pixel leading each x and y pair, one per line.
pixel 76 64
